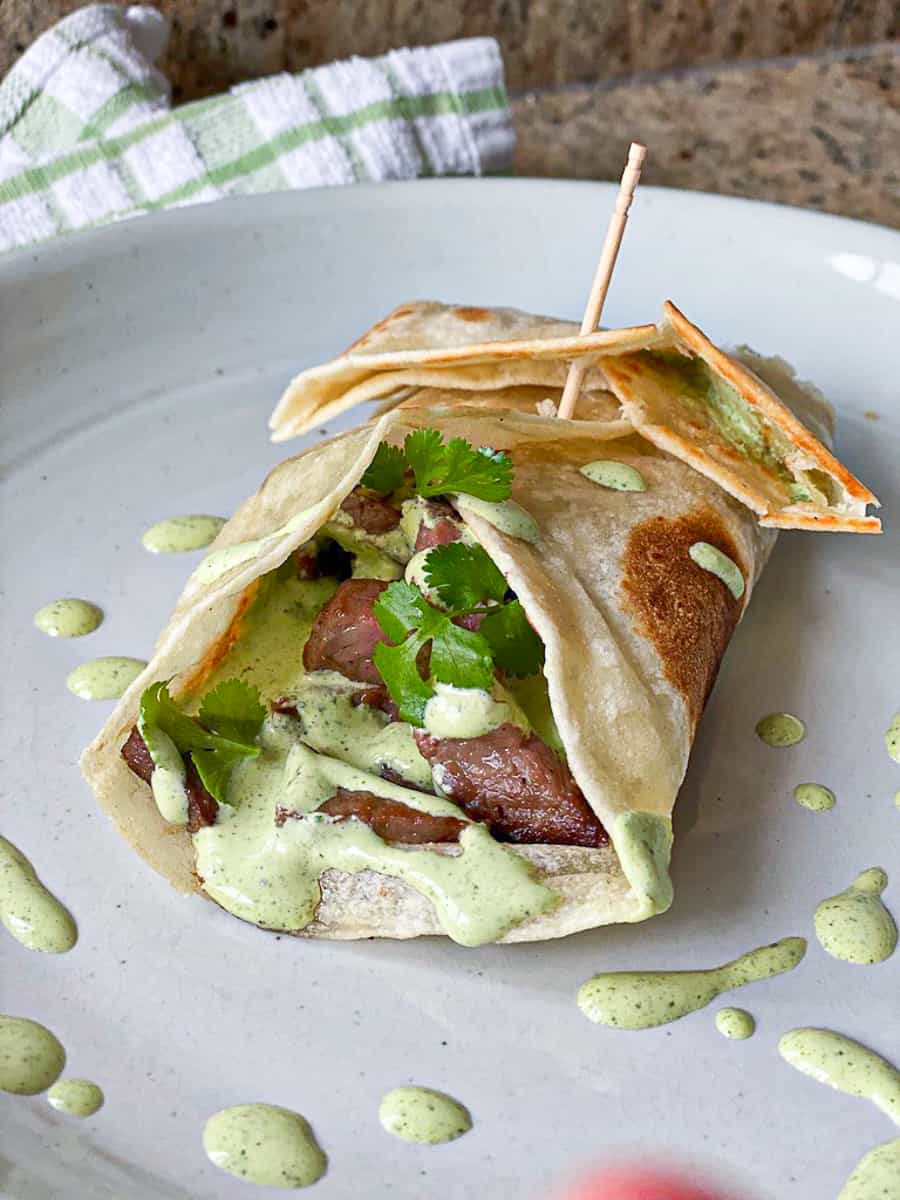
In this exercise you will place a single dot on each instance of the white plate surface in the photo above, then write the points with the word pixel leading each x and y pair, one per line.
pixel 138 366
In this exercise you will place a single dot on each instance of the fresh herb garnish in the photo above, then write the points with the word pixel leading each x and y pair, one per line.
pixel 223 733
pixel 464 579
pixel 440 467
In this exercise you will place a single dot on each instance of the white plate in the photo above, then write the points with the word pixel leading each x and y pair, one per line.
pixel 139 365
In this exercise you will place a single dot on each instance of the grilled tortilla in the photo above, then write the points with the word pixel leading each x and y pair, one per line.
pixel 674 386
pixel 633 629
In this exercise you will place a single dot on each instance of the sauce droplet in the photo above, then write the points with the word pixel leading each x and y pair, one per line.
pixel 735 1023
pixel 418 1114
pixel 618 476
pixel 815 797
pixel 264 1144
pixel 780 729
pixel 845 1065
pixel 877 1177
pixel 177 535
pixel 854 925
pixel 31 1058
pixel 104 678
pixel 643 999
pixel 76 1097
pixel 710 558
pixel 32 914
pixel 68 618
pixel 892 738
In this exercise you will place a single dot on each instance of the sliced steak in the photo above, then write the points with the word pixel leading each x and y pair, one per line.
pixel 516 784
pixel 202 807
pixel 371 512
pixel 345 633
pixel 391 820
pixel 137 756
pixel 440 527
pixel 307 565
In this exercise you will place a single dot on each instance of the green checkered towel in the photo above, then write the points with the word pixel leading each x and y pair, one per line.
pixel 87 134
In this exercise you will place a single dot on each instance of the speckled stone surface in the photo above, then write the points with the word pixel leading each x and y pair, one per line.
pixel 818 132
pixel 820 128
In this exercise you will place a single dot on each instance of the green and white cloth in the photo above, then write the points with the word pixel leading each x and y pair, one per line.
pixel 87 134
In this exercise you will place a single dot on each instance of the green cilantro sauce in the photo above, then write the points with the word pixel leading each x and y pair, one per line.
pixel 780 729
pixel 177 535
pixel 507 516
pixel 28 910
pixel 710 558
pixel 417 1114
pixel 76 1097
pixel 845 1065
pixel 854 925
pixel 266 1145
pixel 643 999
pixel 618 476
pixel 454 712
pixel 104 678
pixel 31 1058
pixel 815 797
pixel 877 1177
pixel 892 738
pixel 268 873
pixel 68 618
pixel 735 1023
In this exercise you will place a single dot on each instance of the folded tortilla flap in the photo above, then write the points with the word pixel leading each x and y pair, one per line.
pixel 633 630
pixel 430 344
pixel 709 409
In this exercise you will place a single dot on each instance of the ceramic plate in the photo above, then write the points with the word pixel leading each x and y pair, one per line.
pixel 138 367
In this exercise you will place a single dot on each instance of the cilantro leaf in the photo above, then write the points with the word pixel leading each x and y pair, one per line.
pixel 457 467
pixel 463 576
pixel 234 713
pixel 387 469
pixel 483 473
pixel 400 608
pixel 461 657
pixel 515 647
pixel 233 710
pixel 400 672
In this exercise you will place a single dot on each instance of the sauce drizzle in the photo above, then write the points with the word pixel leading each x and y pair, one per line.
pixel 104 678
pixel 854 925
pixel 417 1114
pixel 68 618
pixel 264 1144
pixel 28 910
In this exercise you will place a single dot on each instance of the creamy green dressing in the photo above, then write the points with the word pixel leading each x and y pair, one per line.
pixel 28 910
pixel 169 774
pixel 269 874
pixel 76 1097
pixel 104 678
pixel 854 925
pixel 892 738
pixel 735 1023
pixel 68 618
pixel 454 712
pixel 377 555
pixel 815 797
pixel 780 729
pixel 507 516
pixel 643 842
pixel 177 535
pixel 31 1058
pixel 266 1145
pixel 618 476
pixel 710 558
pixel 643 999
pixel 877 1177
pixel 845 1065
pixel 418 1114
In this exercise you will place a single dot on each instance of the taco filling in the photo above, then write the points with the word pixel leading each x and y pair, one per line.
pixel 381 690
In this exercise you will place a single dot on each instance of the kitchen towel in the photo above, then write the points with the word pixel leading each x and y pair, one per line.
pixel 87 134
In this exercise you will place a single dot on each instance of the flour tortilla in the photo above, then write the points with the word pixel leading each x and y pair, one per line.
pixel 667 378
pixel 634 632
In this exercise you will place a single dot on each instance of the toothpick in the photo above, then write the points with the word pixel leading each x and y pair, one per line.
pixel 608 255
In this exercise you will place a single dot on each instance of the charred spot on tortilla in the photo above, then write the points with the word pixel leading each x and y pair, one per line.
pixel 687 613
pixel 467 313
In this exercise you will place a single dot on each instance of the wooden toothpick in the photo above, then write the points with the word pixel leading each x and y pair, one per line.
pixel 608 254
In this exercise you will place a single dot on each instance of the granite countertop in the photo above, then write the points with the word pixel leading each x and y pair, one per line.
pixel 793 101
